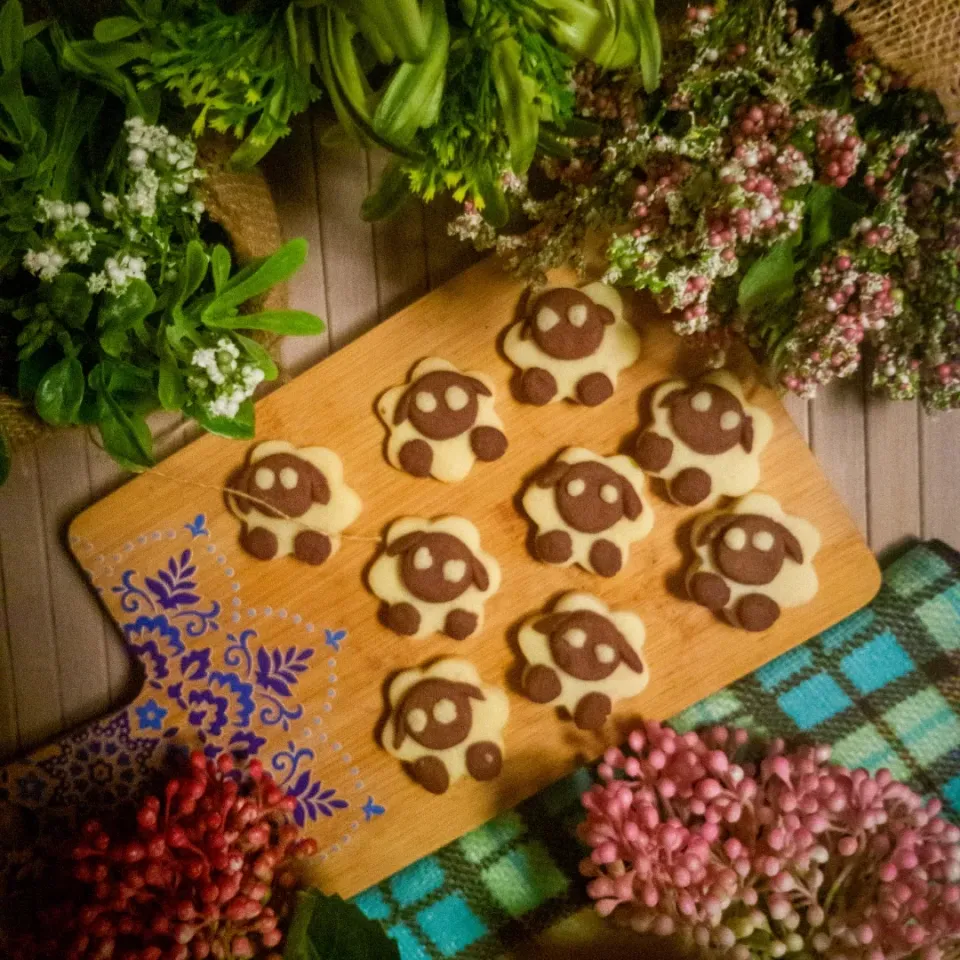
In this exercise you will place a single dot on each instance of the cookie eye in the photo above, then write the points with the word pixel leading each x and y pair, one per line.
pixel 264 478
pixel 702 401
pixel 730 420
pixel 735 538
pixel 763 540
pixel 609 493
pixel 417 720
pixel 425 401
pixel 444 711
pixel 575 637
pixel 547 319
pixel 289 478
pixel 453 570
pixel 576 487
pixel 577 315
pixel 423 559
pixel 456 398
pixel 604 653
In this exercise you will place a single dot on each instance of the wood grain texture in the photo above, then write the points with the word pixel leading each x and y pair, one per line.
pixel 939 473
pixel 690 653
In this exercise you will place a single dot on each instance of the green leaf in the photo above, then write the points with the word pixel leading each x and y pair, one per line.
pixel 238 428
pixel 4 459
pixel 220 266
pixel 70 300
pixel 297 323
pixel 495 210
pixel 515 91
pixel 11 36
pixel 115 28
pixel 32 369
pixel 134 303
pixel 194 269
pixel 830 214
pixel 389 196
pixel 259 355
pixel 328 928
pixel 60 392
pixel 171 388
pixel 127 439
pixel 769 279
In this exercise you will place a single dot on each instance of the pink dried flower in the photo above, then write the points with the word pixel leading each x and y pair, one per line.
pixel 792 854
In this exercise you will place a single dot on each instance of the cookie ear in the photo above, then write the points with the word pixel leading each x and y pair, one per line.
pixel 547 625
pixel 629 656
pixel 552 474
pixel 408 541
pixel 791 544
pixel 319 488
pixel 469 690
pixel 236 485
pixel 746 436
pixel 480 576
pixel 399 729
pixel 632 506
pixel 673 396
pixel 477 386
pixel 403 408
pixel 606 315
pixel 716 526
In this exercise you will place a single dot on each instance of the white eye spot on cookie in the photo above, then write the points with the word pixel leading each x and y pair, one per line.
pixel 444 711
pixel 417 720
pixel 426 402
pixel 454 570
pixel 735 538
pixel 763 540
pixel 730 420
pixel 577 314
pixel 604 653
pixel 609 493
pixel 575 637
pixel 423 559
pixel 456 398
pixel 289 478
pixel 547 319
pixel 576 487
pixel 264 478
pixel 702 401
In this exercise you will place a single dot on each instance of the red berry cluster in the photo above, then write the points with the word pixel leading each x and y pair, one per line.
pixel 871 79
pixel 194 880
pixel 838 147
pixel 763 119
pixel 883 167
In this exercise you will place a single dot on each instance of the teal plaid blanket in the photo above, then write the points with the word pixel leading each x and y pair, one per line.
pixel 882 686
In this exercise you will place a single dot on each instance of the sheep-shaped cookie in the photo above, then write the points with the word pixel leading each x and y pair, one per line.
pixel 291 501
pixel 441 421
pixel 752 559
pixel 584 657
pixel 572 345
pixel 588 509
pixel 706 440
pixel 433 576
pixel 444 722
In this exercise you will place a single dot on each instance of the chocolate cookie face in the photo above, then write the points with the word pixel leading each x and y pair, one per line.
pixel 441 422
pixel 705 440
pixel 584 657
pixel 588 510
pixel 572 345
pixel 752 561
pixel 443 723
pixel 291 502
pixel 433 576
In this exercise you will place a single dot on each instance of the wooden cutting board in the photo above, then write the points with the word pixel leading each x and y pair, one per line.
pixel 289 661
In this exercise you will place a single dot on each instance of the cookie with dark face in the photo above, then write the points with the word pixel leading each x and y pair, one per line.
pixel 705 440
pixel 444 722
pixel 433 576
pixel 441 422
pixel 572 345
pixel 588 510
pixel 752 561
pixel 584 657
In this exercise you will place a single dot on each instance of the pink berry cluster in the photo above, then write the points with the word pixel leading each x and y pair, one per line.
pixel 871 79
pixel 884 160
pixel 792 855
pixel 602 96
pixel 839 148
pixel 206 873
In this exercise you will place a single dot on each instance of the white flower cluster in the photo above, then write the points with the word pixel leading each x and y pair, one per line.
pixel 73 238
pixel 222 383
pixel 117 273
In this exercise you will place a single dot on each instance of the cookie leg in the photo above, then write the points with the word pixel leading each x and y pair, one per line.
pixel 691 486
pixel 594 388
pixel 541 683
pixel 259 542
pixel 431 774
pixel 402 618
pixel 757 612
pixel 555 546
pixel 652 451
pixel 537 386
pixel 488 443
pixel 312 547
pixel 459 624
pixel 592 711
pixel 484 760
pixel 709 590
pixel 416 458
pixel 606 558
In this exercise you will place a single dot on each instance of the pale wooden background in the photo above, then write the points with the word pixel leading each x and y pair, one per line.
pixel 61 659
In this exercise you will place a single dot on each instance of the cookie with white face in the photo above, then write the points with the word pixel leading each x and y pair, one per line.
pixel 441 421
pixel 291 501
pixel 445 722
pixel 433 576
pixel 584 657
pixel 572 345
pixel 705 440
pixel 752 560
pixel 588 510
